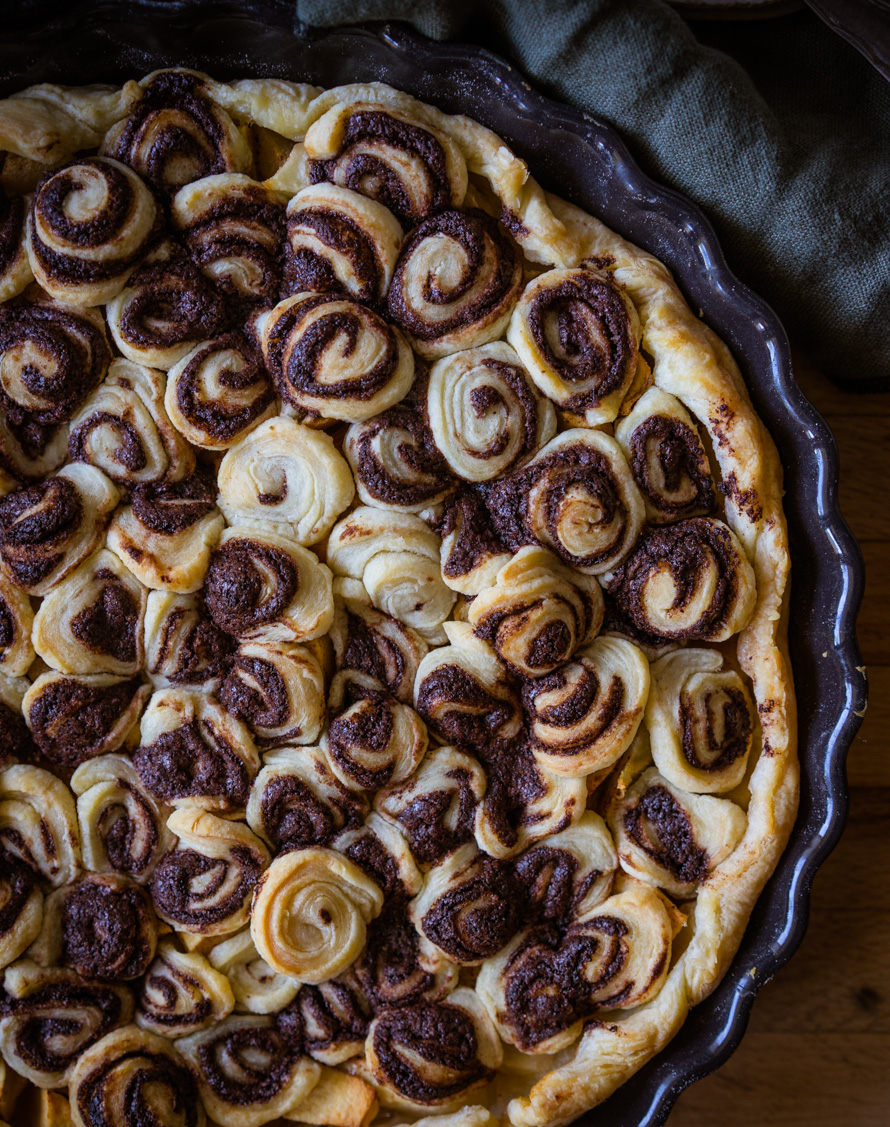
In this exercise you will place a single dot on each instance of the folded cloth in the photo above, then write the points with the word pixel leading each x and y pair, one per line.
pixel 778 129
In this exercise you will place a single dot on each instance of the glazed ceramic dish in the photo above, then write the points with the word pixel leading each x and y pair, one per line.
pixel 590 166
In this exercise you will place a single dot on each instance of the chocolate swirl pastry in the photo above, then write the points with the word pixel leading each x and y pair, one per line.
pixel 668 459
pixel 583 716
pixel 204 885
pixel 167 532
pixel 335 1020
pixel 690 581
pixel 472 554
pixel 577 497
pixel 485 413
pixel 339 241
pixel 700 718
pixel 132 1076
pixel 670 838
pixel 372 739
pixel 181 993
pixel 277 691
pixel 433 1054
pixel 470 906
pixel 122 828
pixel 249 1071
pixel 463 692
pixel 267 588
pixel 371 642
pixel 395 461
pixel 193 752
pixel 435 808
pixel 182 645
pixel 567 874
pixel 16 624
pixel 15 269
pixel 75 717
pixel 396 557
pixel 310 914
pixel 39 1002
pixel 38 823
pixel 21 908
pixel 256 987
pixel 123 429
pixel 455 284
pixel 537 613
pixel 332 357
pixel 578 333
pixel 175 134
pixel 91 222
pixel 101 926
pixel 51 357
pixel 220 391
pixel 399 966
pixel 92 621
pixel 381 851
pixel 46 530
pixel 409 166
pixel 15 739
pixel 284 477
pixel 297 800
pixel 233 228
pixel 166 308
pixel 550 980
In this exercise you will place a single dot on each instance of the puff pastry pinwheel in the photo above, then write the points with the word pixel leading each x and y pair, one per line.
pixel 372 739
pixel 472 553
pixel 183 646
pixel 396 556
pixel 248 1070
pixel 123 429
pixel 435 807
pixel 204 885
pixel 15 269
pixel 376 644
pixel 700 718
pixel 48 528
pixel 333 357
pixel 396 462
pixel 166 308
pixel 577 497
pixel 340 241
pixel 233 228
pixel 612 957
pixel 167 532
pixel 22 901
pixel 583 716
pixel 568 873
pixel 181 993
pixel 91 223
pixel 15 739
pixel 278 691
pixel 16 625
pixel 73 717
pixel 537 613
pixel 408 165
pixel 129 1076
pixel 335 1020
pixel 578 333
pixel 670 838
pixel 484 412
pixel 297 801
pixel 310 913
pixel 219 392
pixel 455 284
pixel 381 851
pixel 38 1001
pixel 265 587
pixel 122 828
pixel 464 693
pixel 175 134
pixel 286 478
pixel 193 752
pixel 415 1069
pixel 257 988
pixel 38 823
pixel 92 621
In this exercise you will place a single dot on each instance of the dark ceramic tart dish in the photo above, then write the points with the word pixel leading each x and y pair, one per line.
pixel 586 163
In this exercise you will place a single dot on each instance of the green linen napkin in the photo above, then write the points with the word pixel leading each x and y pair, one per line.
pixel 778 129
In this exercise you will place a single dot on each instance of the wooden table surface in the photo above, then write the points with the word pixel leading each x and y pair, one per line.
pixel 817 1050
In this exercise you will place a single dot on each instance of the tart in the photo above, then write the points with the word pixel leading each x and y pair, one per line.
pixel 395 716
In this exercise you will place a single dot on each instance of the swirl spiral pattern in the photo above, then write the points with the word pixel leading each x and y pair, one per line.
pixel 399 966
pixel 331 356
pixel 181 993
pixel 335 1021
pixel 257 988
pixel 455 284
pixel 15 269
pixel 381 851
pixel 368 641
pixel 278 691
pixel 182 645
pixel 21 907
pixel 472 554
pixel 38 823
pixel 569 873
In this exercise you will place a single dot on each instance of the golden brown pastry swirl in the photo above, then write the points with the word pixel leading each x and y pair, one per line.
pixel 371 642
pixel 181 993
pixel 182 645
pixel 565 875
pixel 21 907
pixel 15 270
pixel 38 823
pixel 278 691
pixel 399 966
pixel 335 1020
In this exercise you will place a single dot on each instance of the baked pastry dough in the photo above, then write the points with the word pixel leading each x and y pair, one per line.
pixel 371 642
pixel 335 1020
pixel 15 269
pixel 256 987
pixel 38 823
pixel 182 645
pixel 278 691
pixel 181 993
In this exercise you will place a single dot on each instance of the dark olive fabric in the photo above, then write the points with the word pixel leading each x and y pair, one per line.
pixel 777 128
